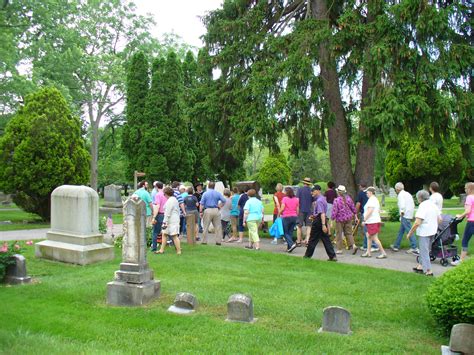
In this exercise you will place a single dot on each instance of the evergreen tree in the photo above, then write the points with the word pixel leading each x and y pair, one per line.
pixel 42 148
pixel 137 90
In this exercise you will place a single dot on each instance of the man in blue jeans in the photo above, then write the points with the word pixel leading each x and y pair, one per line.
pixel 406 207
pixel 361 200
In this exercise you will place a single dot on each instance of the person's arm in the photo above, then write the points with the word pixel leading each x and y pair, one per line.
pixel 277 205
pixel 246 214
pixel 203 201
pixel 282 208
pixel 368 213
pixel 323 221
pixel 357 207
pixel 417 223
pixel 401 204
pixel 467 210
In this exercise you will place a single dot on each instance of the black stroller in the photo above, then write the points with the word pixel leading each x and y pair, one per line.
pixel 442 245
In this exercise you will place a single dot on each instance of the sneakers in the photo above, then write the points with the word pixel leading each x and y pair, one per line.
pixel 293 247
pixel 382 256
pixel 413 251
pixel 456 262
pixel 274 242
pixel 363 248
pixel 248 247
pixel 394 248
pixel 338 251
pixel 366 255
pixel 374 250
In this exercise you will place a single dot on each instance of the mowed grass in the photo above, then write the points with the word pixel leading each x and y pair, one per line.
pixel 20 220
pixel 65 311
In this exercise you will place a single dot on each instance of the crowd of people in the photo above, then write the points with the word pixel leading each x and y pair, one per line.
pixel 315 216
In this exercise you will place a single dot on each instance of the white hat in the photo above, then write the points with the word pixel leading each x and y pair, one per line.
pixel 341 188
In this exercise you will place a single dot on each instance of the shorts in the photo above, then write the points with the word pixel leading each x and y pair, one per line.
pixel 303 219
pixel 373 228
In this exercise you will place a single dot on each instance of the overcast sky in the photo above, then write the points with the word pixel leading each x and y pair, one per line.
pixel 180 17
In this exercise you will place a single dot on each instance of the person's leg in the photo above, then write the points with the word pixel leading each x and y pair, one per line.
pixel 177 244
pixel 425 243
pixel 308 227
pixel 233 222
pixel 468 232
pixel 216 222
pixel 377 241
pixel 313 238
pixel 401 232
pixel 224 229
pixel 339 245
pixel 163 243
pixel 206 220
pixel 328 245
pixel 253 233
pixel 154 234
pixel 347 228
pixel 241 229
pixel 299 227
pixel 369 242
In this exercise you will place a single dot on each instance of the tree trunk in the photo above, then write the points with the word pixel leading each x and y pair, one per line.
pixel 338 137
pixel 365 161
pixel 94 152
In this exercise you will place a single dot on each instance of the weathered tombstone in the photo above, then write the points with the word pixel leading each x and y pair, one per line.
pixel 240 309
pixel 337 320
pixel 134 283
pixel 246 185
pixel 112 196
pixel 191 228
pixel 462 338
pixel 16 274
pixel 392 193
pixel 5 199
pixel 74 236
pixel 184 303
pixel 383 200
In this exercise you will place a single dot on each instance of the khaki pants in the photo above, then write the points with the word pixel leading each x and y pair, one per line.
pixel 212 215
pixel 346 228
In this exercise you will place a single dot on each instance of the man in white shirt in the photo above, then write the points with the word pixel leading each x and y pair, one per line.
pixel 426 223
pixel 406 207
pixel 436 197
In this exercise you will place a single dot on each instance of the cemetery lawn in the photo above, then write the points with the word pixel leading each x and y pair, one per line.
pixel 64 311
pixel 20 220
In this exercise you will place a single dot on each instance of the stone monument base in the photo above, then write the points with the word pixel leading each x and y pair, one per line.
pixel 74 249
pixel 15 280
pixel 121 293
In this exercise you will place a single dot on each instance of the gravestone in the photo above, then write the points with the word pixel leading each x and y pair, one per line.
pixel 16 274
pixel 184 303
pixel 134 283
pixel 5 199
pixel 337 320
pixel 112 196
pixel 392 192
pixel 462 338
pixel 240 309
pixel 74 236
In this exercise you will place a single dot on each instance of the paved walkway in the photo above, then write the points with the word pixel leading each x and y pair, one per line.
pixel 399 261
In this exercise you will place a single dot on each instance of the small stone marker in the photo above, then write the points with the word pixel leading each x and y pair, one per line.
pixel 74 236
pixel 134 283
pixel 184 303
pixel 392 192
pixel 462 338
pixel 337 320
pixel 112 196
pixel 240 309
pixel 16 274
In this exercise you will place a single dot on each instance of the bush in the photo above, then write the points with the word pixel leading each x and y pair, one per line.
pixel 394 214
pixel 6 256
pixel 274 170
pixel 42 149
pixel 451 297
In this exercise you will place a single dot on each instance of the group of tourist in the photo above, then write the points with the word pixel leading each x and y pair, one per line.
pixel 314 215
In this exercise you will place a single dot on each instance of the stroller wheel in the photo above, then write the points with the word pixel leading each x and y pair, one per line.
pixel 418 259
pixel 444 262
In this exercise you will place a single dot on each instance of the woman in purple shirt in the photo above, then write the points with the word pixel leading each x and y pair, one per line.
pixel 343 212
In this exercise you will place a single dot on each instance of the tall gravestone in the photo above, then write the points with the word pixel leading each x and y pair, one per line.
pixel 134 283
pixel 74 236
pixel 113 196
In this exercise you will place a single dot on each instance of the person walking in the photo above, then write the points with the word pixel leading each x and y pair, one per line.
pixel 143 194
pixel 436 197
pixel 170 225
pixel 305 199
pixel 361 200
pixel 225 215
pixel 277 198
pixel 253 216
pixel 211 201
pixel 319 228
pixel 191 205
pixel 343 213
pixel 241 203
pixel 289 210
pixel 198 193
pixel 469 230
pixel 330 196
pixel 406 208
pixel 372 221
pixel 158 214
pixel 427 218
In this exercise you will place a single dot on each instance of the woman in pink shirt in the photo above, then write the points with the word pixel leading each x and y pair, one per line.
pixel 469 212
pixel 289 210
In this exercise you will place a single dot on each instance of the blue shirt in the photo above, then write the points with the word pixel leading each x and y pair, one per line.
pixel 242 200
pixel 235 207
pixel 254 206
pixel 306 199
pixel 144 196
pixel 362 199
pixel 211 198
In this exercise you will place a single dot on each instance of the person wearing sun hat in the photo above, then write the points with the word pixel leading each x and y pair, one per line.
pixel 372 221
pixel 343 213
pixel 305 204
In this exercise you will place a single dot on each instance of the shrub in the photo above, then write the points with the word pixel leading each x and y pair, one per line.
pixel 6 253
pixel 274 170
pixel 451 297
pixel 42 148
pixel 394 214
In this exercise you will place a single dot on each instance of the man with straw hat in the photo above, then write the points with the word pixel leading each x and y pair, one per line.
pixel 306 202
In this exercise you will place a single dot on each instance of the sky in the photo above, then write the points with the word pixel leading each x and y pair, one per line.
pixel 180 17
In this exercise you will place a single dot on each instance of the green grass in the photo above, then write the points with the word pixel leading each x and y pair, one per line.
pixel 65 311
pixel 20 220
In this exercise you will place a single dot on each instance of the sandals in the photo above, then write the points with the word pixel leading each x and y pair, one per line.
pixel 365 255
pixel 298 244
pixel 159 252
pixel 418 271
